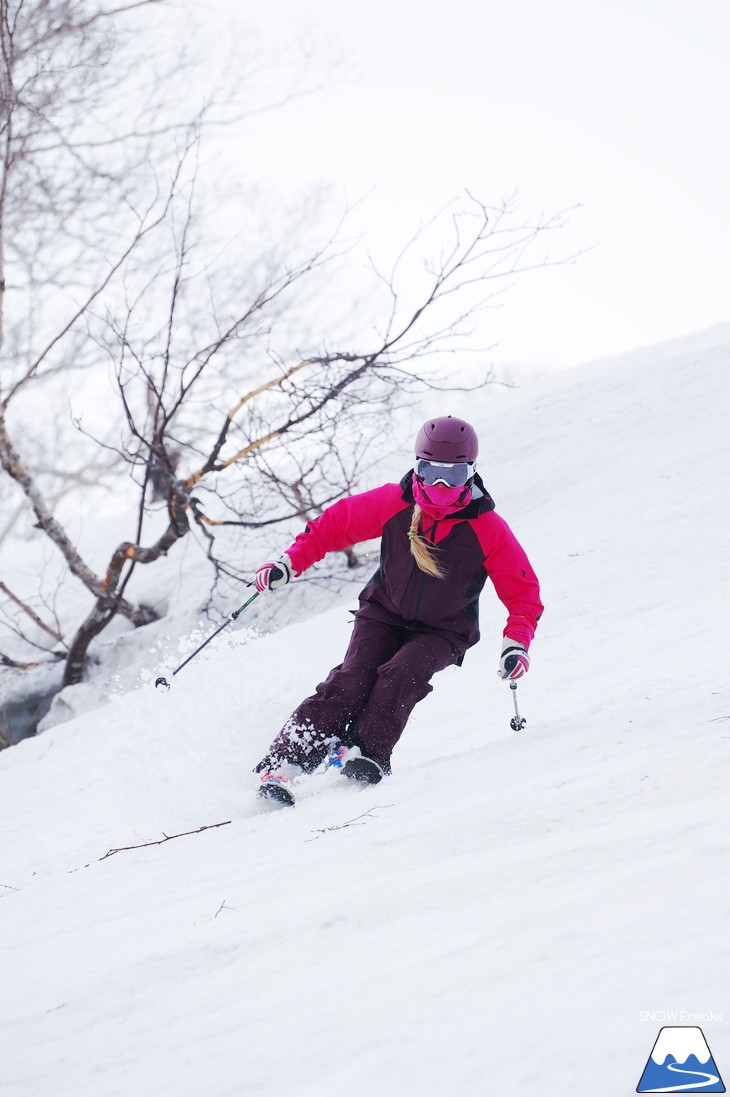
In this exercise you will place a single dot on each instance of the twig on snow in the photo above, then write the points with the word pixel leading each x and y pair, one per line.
pixel 358 821
pixel 224 906
pixel 167 838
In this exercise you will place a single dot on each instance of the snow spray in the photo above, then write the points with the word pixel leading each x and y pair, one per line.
pixel 162 683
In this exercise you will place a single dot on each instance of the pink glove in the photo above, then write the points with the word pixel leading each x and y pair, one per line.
pixel 514 661
pixel 272 575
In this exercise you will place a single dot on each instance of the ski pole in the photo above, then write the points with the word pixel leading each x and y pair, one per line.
pixel 517 722
pixel 163 682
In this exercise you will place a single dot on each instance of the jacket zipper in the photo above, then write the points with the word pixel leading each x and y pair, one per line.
pixel 424 577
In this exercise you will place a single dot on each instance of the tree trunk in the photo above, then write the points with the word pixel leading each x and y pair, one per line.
pixel 11 461
pixel 108 603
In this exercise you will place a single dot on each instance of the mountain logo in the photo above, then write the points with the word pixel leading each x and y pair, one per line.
pixel 680 1062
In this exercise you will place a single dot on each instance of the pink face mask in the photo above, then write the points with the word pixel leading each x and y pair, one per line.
pixel 438 500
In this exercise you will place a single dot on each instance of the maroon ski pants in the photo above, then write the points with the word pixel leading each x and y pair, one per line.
pixel 366 701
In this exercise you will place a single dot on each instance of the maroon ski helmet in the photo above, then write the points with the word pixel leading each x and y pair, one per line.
pixel 447 439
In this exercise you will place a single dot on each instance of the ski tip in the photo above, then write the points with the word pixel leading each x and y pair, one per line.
pixel 276 793
pixel 363 769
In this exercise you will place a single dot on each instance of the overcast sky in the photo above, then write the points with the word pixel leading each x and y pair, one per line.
pixel 619 108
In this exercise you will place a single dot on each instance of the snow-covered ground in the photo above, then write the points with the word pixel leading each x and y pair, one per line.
pixel 499 916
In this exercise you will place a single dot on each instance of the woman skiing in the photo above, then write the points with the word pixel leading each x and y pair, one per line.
pixel 441 539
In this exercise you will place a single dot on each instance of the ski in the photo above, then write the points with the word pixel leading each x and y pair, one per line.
pixel 275 789
pixel 363 769
pixel 349 761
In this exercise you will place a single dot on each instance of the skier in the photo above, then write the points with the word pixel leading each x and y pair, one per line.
pixel 441 539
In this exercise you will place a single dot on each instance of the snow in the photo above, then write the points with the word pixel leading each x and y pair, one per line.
pixel 497 916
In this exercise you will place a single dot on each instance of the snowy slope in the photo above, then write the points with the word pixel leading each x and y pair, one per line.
pixel 499 912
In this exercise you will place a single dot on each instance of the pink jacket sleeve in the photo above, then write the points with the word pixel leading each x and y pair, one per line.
pixel 347 522
pixel 512 575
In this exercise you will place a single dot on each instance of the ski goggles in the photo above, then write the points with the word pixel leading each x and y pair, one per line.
pixel 442 472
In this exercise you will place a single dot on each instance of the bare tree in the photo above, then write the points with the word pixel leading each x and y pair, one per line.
pixel 218 412
pixel 84 187
pixel 77 192
pixel 293 430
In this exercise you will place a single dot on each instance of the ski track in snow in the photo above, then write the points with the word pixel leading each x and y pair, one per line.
pixel 492 918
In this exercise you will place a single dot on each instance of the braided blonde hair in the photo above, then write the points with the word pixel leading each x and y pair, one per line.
pixel 421 550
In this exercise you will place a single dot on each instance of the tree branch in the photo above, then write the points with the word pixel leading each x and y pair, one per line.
pixel 31 613
pixel 167 838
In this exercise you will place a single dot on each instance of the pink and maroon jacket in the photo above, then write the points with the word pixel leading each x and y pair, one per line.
pixel 474 543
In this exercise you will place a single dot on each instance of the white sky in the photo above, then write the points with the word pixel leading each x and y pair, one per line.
pixel 620 108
